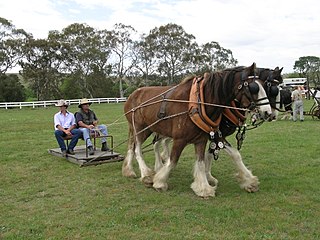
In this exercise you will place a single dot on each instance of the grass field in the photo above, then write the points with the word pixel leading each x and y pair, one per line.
pixel 46 197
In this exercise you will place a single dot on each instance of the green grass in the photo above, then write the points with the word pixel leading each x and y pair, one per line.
pixel 46 197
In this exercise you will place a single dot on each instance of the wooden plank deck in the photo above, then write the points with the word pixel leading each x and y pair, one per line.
pixel 80 158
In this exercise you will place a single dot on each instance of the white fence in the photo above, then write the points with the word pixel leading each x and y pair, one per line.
pixel 53 102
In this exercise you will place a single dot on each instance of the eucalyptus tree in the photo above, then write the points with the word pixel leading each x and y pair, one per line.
pixel 122 47
pixel 144 58
pixel 85 51
pixel 40 67
pixel 215 57
pixel 174 49
pixel 309 66
pixel 12 41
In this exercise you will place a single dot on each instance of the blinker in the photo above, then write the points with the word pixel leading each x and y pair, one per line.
pixel 253 88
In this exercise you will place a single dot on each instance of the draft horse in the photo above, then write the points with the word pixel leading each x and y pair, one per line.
pixel 142 110
pixel 270 81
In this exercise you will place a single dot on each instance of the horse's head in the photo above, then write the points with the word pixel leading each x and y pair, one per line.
pixel 271 80
pixel 250 93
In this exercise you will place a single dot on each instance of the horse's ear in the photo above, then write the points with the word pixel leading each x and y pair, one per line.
pixel 276 69
pixel 281 69
pixel 252 69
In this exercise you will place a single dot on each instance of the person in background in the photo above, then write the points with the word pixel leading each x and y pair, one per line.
pixel 87 122
pixel 296 96
pixel 65 125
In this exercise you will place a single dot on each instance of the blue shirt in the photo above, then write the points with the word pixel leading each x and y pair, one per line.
pixel 65 121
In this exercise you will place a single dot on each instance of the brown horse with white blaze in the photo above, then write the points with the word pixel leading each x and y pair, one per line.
pixel 142 112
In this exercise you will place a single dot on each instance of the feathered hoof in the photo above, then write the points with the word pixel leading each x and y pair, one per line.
pixel 251 185
pixel 212 181
pixel 160 187
pixel 147 181
pixel 205 192
pixel 128 173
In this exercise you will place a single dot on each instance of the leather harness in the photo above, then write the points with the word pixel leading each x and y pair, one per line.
pixel 197 111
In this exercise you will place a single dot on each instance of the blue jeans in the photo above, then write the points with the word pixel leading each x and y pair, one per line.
pixel 86 133
pixel 76 134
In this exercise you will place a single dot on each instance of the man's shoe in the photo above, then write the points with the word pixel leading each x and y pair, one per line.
pixel 91 151
pixel 64 153
pixel 104 147
pixel 71 152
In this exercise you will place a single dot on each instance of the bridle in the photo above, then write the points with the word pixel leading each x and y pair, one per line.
pixel 249 87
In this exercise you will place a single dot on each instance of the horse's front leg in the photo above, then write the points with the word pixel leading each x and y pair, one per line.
pixel 201 186
pixel 208 162
pixel 245 178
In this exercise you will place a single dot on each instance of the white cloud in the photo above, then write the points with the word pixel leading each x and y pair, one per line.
pixel 270 33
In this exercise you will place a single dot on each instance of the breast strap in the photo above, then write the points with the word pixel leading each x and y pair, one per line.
pixel 197 111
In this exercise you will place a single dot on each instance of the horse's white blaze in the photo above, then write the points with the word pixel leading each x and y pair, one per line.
pixel 200 186
pixel 246 180
pixel 266 108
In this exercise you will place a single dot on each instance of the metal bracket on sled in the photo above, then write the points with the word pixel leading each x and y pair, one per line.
pixel 216 143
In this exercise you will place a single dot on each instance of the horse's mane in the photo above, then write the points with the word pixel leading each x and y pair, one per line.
pixel 187 79
pixel 221 82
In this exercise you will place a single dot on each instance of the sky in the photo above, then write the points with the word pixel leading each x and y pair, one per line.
pixel 270 33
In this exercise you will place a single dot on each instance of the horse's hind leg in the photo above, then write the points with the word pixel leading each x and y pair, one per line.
pixel 161 158
pixel 201 186
pixel 127 165
pixel 146 173
pixel 245 178
pixel 161 178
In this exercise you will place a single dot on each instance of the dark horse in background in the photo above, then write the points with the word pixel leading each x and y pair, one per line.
pixel 286 103
pixel 142 108
pixel 271 80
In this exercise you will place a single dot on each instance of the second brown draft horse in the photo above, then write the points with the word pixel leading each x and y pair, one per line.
pixel 220 91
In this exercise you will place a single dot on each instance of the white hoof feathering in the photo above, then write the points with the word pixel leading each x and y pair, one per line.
pixel 200 186
pixel 248 183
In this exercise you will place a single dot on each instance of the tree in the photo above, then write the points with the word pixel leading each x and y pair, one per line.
pixel 144 58
pixel 174 50
pixel 40 67
pixel 216 58
pixel 84 50
pixel 309 67
pixel 11 90
pixel 12 41
pixel 122 45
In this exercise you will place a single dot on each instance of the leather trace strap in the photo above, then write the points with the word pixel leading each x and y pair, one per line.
pixel 197 111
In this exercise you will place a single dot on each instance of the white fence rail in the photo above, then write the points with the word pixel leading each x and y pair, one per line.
pixel 53 102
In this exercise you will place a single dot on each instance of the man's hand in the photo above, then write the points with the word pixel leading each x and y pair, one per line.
pixel 67 131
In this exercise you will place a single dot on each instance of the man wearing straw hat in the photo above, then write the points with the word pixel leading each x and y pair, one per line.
pixel 87 122
pixel 65 125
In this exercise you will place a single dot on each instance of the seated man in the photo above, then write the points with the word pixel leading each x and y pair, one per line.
pixel 65 125
pixel 87 121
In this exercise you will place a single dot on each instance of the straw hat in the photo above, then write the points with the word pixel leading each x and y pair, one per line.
pixel 84 101
pixel 61 103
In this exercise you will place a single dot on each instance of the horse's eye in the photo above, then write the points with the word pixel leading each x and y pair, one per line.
pixel 274 91
pixel 253 88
